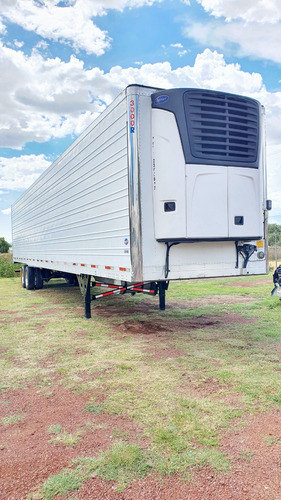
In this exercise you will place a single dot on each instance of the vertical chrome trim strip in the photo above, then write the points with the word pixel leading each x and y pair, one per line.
pixel 134 187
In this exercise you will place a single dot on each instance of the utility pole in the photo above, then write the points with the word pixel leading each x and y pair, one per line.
pixel 275 241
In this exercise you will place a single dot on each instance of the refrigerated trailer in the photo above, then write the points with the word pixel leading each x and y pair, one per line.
pixel 163 185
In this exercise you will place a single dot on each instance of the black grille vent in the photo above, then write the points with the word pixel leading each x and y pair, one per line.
pixel 222 127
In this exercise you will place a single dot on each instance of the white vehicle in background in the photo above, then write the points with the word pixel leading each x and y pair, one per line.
pixel 164 185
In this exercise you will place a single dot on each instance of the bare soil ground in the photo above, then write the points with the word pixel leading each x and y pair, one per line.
pixel 27 457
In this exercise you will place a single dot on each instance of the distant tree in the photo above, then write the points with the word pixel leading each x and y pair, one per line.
pixel 4 246
pixel 274 229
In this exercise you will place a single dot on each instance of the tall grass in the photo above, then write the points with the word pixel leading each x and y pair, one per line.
pixel 7 268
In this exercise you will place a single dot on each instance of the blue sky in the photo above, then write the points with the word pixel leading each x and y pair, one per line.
pixel 63 62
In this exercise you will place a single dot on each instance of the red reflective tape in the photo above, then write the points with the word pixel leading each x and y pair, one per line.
pixel 107 267
pixel 83 265
pixel 105 285
pixel 110 293
pixel 73 263
pixel 93 265
pixel 122 269
pixel 104 294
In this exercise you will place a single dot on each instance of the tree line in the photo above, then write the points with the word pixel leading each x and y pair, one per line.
pixel 274 229
pixel 4 246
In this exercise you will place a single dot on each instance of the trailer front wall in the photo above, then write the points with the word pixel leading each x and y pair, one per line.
pixel 75 217
pixel 201 227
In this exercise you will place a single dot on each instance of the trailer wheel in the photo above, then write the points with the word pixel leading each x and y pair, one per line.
pixel 29 276
pixel 22 276
pixel 38 279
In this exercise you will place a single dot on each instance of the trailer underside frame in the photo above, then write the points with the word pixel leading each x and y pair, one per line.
pixel 151 288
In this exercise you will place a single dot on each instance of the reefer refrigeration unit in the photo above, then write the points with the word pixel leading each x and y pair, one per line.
pixel 164 185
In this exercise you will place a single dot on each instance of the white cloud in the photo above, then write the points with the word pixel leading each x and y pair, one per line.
pixel 71 23
pixel 179 46
pixel 6 211
pixel 244 40
pixel 20 173
pixel 18 44
pixel 43 99
pixel 260 11
pixel 65 24
pixel 2 27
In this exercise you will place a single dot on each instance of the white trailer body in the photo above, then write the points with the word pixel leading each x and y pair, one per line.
pixel 165 184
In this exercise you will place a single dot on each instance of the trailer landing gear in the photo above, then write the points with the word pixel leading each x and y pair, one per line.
pixel 151 288
pixel 85 287
pixel 162 287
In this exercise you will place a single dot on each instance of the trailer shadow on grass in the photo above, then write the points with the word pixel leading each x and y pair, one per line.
pixel 141 315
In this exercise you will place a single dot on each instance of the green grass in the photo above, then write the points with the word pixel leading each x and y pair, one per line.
pixel 218 371
pixel 66 438
pixel 93 408
pixel 62 483
pixel 7 268
pixel 121 463
pixel 12 419
pixel 60 436
pixel 54 429
pixel 272 440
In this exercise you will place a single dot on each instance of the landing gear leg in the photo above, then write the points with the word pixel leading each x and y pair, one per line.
pixel 162 291
pixel 88 299
pixel 85 287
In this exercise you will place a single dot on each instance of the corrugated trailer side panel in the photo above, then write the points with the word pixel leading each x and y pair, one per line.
pixel 75 217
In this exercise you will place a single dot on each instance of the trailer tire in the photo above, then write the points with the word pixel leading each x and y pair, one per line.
pixel 29 276
pixel 22 276
pixel 38 279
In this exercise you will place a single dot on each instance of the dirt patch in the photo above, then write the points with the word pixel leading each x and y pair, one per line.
pixel 252 283
pixel 212 300
pixel 150 306
pixel 48 311
pixel 158 327
pixel 27 456
pixel 205 388
pixel 255 474
pixel 160 353
pixel 16 319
